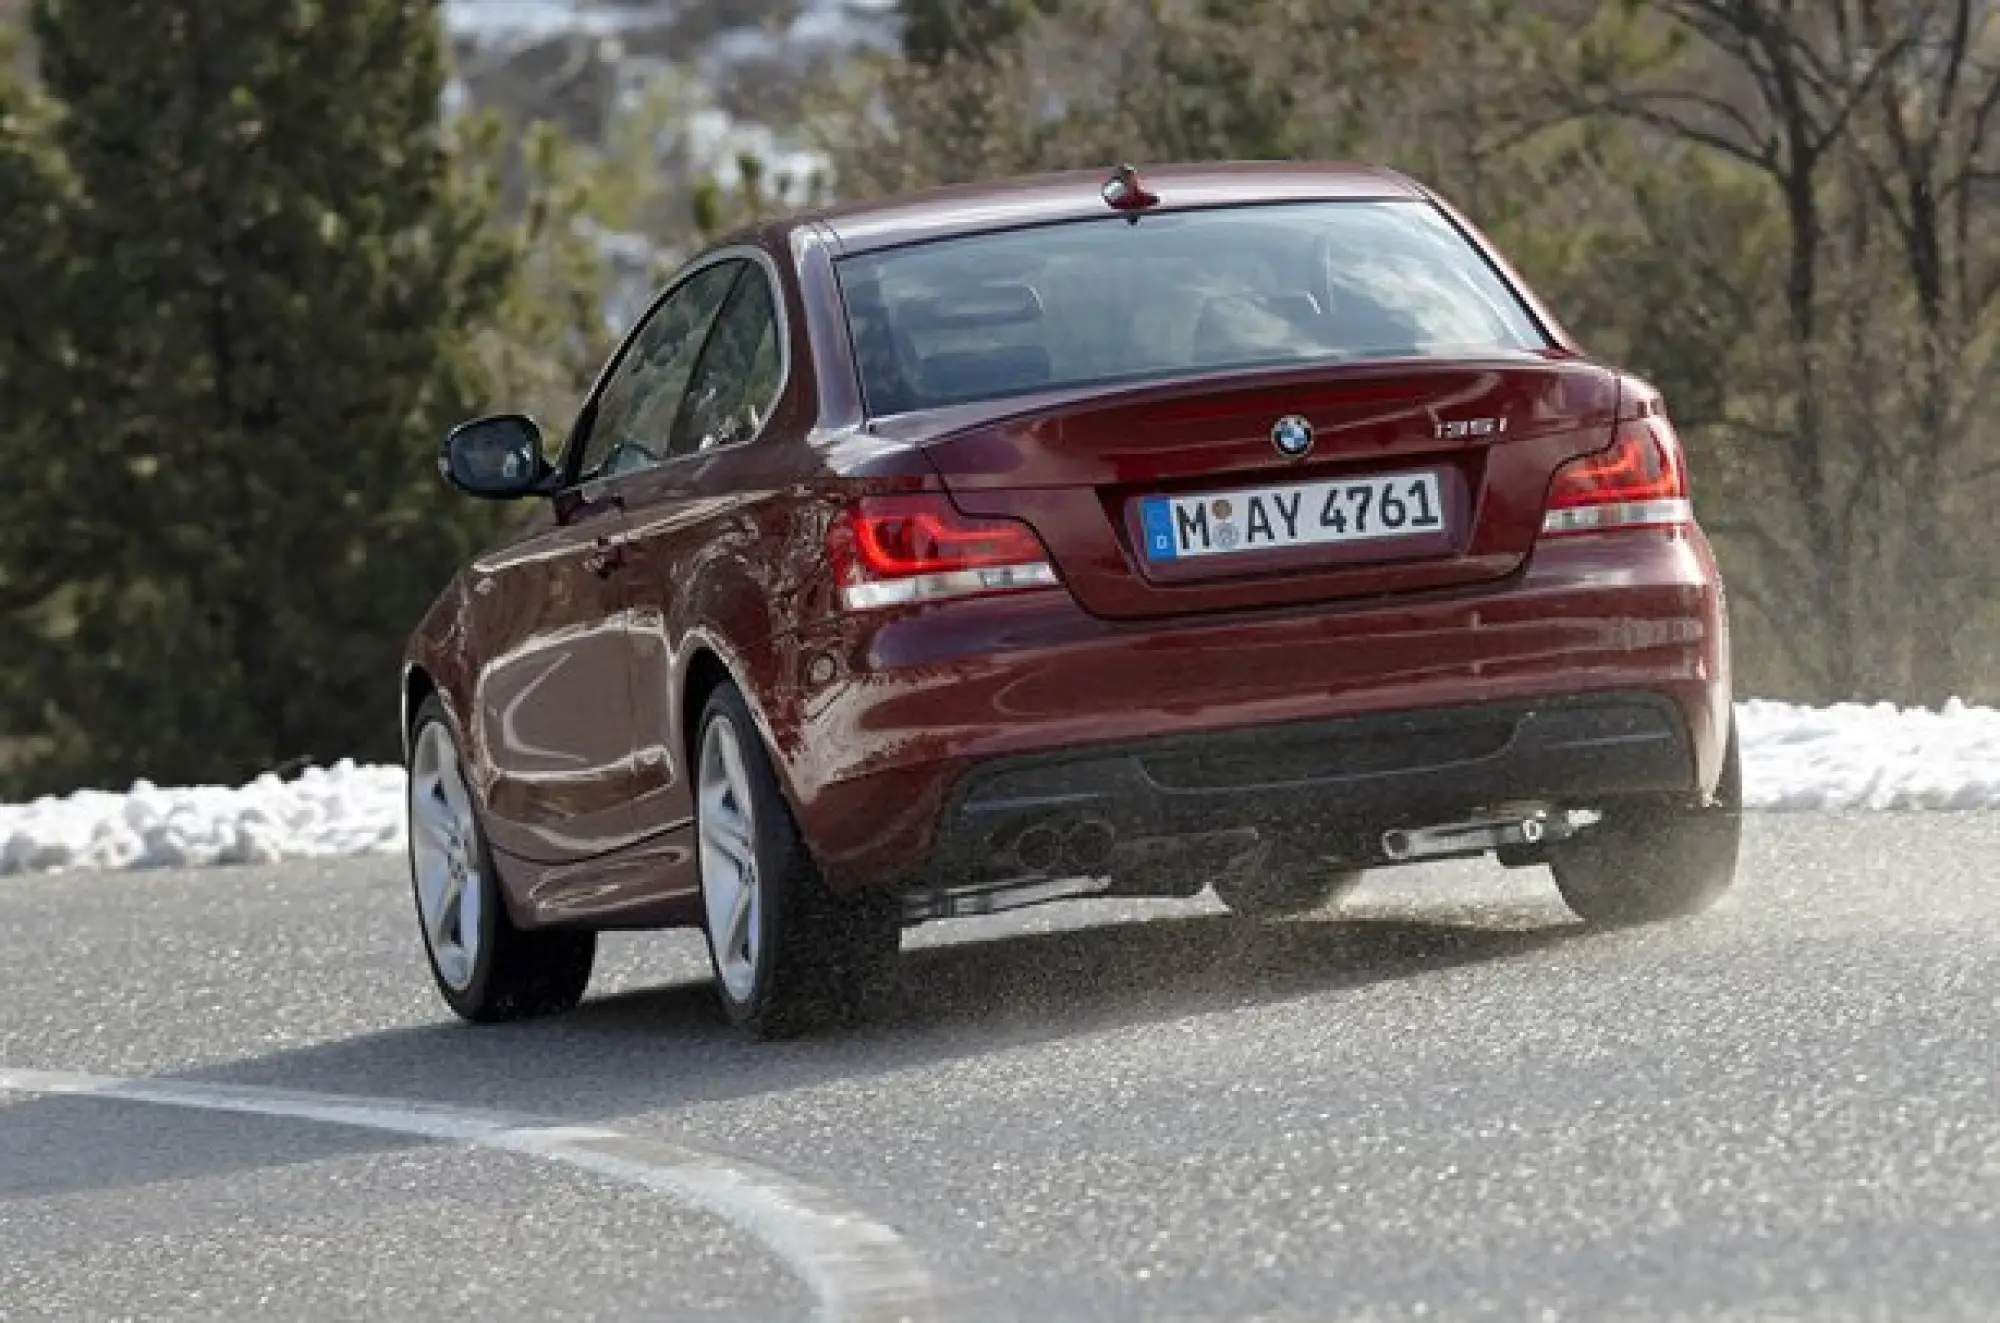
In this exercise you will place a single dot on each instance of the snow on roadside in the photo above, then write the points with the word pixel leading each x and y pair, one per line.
pixel 1854 757
pixel 341 810
pixel 1796 759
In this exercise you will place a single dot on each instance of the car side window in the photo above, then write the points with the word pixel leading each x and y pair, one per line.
pixel 635 411
pixel 737 382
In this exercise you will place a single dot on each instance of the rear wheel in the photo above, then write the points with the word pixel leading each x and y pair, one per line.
pixel 486 968
pixel 1284 881
pixel 1643 864
pixel 789 955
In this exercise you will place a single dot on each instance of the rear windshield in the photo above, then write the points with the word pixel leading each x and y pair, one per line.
pixel 1101 301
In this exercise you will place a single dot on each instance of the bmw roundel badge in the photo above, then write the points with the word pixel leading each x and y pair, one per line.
pixel 1292 436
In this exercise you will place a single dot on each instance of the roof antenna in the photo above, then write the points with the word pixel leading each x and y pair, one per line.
pixel 1126 192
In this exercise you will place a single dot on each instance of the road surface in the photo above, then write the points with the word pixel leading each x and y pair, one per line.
pixel 1443 1101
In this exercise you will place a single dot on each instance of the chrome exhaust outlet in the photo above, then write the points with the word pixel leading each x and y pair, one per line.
pixel 1478 835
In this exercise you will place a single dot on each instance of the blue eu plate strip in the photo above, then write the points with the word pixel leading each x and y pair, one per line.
pixel 1156 516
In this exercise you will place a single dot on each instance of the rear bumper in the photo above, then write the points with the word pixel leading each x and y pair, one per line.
pixel 1345 781
pixel 1601 670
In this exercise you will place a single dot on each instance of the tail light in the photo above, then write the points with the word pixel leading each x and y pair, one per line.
pixel 1639 481
pixel 897 550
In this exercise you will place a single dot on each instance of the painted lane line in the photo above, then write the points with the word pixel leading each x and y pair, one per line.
pixel 859 1270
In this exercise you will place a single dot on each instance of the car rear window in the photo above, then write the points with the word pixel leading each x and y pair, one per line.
pixel 1080 303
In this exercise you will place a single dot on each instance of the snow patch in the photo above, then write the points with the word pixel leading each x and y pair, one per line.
pixel 1795 759
pixel 341 810
pixel 1856 757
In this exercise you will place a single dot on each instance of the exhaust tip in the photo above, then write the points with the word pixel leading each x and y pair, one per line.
pixel 1038 848
pixel 1520 828
pixel 1087 845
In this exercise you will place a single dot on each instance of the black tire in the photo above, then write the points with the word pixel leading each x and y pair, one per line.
pixel 1284 882
pixel 1645 864
pixel 820 958
pixel 517 973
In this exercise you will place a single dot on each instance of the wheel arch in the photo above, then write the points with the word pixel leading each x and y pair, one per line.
pixel 418 685
pixel 709 664
pixel 435 663
pixel 706 672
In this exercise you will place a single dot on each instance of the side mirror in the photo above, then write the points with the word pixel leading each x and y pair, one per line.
pixel 497 459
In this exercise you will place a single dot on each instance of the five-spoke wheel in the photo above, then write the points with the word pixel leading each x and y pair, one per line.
pixel 788 952
pixel 728 823
pixel 486 968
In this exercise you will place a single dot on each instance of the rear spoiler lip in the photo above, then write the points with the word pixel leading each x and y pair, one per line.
pixel 921 426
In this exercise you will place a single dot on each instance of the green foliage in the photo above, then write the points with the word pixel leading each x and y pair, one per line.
pixel 547 338
pixel 718 209
pixel 636 178
pixel 937 31
pixel 256 329
pixel 646 183
pixel 35 192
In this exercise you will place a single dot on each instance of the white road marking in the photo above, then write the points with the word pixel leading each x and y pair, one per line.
pixel 860 1270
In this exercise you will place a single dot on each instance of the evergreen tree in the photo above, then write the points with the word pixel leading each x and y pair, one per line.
pixel 274 288
pixel 935 31
pixel 32 353
pixel 31 215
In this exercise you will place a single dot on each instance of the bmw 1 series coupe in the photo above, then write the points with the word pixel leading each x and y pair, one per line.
pixel 1239 527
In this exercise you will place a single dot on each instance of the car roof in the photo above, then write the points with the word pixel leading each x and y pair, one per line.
pixel 941 213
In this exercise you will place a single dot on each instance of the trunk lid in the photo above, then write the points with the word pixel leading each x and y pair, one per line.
pixel 1103 475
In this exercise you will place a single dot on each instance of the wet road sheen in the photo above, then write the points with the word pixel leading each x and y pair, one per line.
pixel 1443 1101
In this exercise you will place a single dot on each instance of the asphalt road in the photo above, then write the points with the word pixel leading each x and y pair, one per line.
pixel 1444 1101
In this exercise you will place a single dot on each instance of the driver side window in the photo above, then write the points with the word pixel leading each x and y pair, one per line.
pixel 635 411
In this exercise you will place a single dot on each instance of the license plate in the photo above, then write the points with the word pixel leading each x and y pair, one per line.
pixel 1304 514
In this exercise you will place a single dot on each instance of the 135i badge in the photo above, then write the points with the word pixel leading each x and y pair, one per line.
pixel 1464 427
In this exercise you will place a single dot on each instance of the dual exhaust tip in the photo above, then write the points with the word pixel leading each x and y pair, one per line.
pixel 1079 848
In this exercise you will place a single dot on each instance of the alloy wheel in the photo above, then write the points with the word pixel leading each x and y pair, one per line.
pixel 726 819
pixel 445 855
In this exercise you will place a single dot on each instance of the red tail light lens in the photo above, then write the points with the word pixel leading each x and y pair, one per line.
pixel 895 550
pixel 927 535
pixel 1639 481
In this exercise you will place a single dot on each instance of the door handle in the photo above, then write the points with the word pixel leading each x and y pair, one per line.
pixel 607 559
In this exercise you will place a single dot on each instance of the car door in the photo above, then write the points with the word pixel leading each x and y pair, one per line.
pixel 553 695
pixel 694 529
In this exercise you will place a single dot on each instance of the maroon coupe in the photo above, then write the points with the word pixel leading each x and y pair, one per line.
pixel 1242 527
